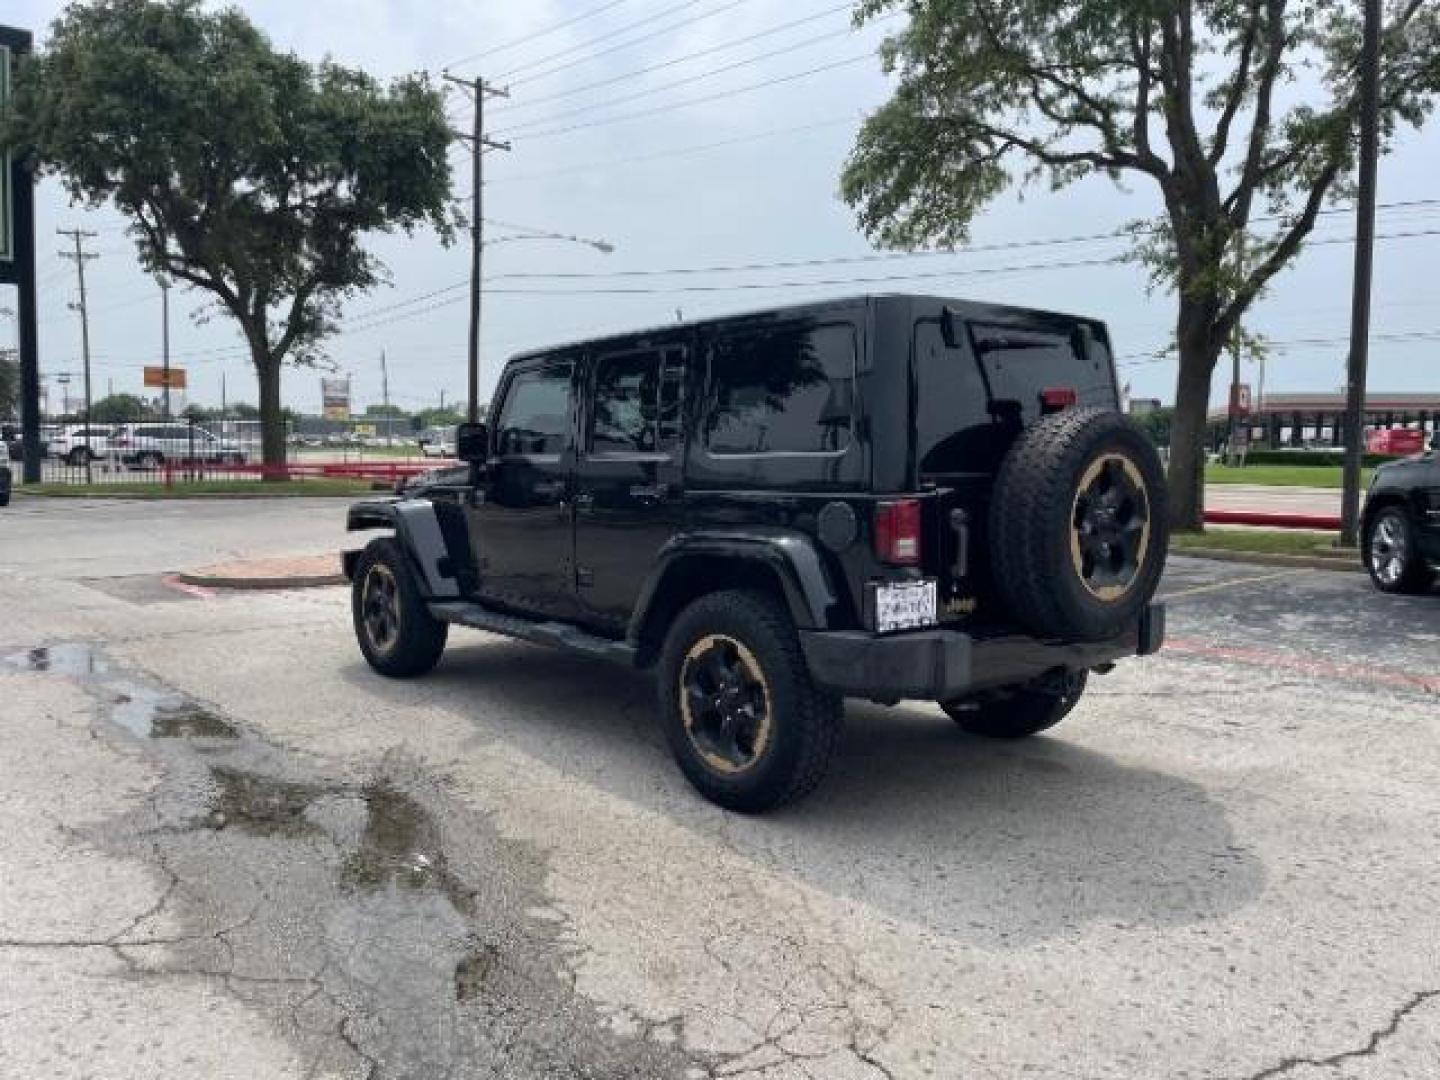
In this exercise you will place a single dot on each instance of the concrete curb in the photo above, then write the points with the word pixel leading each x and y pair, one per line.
pixel 1261 558
pixel 298 572
pixel 206 581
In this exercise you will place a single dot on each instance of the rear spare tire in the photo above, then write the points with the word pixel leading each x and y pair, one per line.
pixel 1079 525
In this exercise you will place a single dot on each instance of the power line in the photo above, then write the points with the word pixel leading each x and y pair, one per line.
pixel 1396 337
pixel 674 9
pixel 642 39
pixel 683 151
pixel 719 96
pixel 525 39
pixel 688 80
pixel 625 76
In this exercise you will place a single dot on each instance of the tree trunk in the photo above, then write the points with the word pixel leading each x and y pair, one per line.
pixel 272 419
pixel 1187 433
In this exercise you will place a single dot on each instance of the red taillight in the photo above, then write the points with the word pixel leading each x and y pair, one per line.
pixel 1055 399
pixel 897 532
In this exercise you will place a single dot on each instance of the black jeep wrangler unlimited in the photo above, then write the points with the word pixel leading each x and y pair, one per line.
pixel 886 497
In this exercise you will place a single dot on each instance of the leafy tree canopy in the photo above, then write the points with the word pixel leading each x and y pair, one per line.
pixel 245 171
pixel 120 408
pixel 1233 110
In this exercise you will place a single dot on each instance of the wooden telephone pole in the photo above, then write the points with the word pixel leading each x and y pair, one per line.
pixel 480 143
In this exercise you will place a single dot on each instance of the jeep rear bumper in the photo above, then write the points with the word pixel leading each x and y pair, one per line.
pixel 937 665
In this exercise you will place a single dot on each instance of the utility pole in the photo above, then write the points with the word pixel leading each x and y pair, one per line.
pixel 1236 343
pixel 81 257
pixel 1364 267
pixel 480 91
pixel 385 397
pixel 224 405
pixel 165 339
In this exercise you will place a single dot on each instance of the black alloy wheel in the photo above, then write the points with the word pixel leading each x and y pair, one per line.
pixel 1110 526
pixel 726 703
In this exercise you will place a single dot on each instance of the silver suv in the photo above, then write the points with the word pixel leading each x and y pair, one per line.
pixel 150 446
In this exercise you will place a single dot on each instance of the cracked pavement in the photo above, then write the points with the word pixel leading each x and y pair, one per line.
pixel 231 850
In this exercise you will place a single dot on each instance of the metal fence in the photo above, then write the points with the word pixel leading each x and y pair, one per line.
pixel 178 452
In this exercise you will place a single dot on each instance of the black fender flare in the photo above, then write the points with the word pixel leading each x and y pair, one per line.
pixel 790 556
pixel 418 529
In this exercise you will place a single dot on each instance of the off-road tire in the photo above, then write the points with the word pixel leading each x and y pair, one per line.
pixel 79 457
pixel 1017 712
pixel 1033 537
pixel 805 720
pixel 150 460
pixel 1414 576
pixel 418 638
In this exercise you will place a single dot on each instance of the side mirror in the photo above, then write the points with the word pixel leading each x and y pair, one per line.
pixel 472 443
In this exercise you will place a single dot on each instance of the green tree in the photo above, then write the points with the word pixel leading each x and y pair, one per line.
pixel 1229 109
pixel 119 409
pixel 437 418
pixel 245 171
pixel 242 410
pixel 385 410
pixel 1157 425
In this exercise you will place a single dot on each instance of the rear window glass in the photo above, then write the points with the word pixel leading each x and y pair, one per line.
pixel 784 390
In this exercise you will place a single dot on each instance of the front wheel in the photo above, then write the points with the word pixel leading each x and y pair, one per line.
pixel 745 722
pixel 1392 555
pixel 1021 711
pixel 397 634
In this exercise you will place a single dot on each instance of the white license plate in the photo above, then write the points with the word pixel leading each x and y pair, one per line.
pixel 904 606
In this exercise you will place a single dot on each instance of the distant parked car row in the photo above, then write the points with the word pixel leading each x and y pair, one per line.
pixel 142 446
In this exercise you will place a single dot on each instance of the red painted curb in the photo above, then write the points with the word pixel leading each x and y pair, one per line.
pixel 1265 520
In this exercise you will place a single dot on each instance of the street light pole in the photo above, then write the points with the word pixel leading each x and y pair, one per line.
pixel 1364 267
pixel 165 339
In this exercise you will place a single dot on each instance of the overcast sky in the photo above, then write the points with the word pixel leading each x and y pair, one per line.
pixel 659 190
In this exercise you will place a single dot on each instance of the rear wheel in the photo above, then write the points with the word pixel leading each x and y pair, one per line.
pixel 1392 554
pixel 1079 525
pixel 150 460
pixel 1019 711
pixel 397 634
pixel 81 455
pixel 745 722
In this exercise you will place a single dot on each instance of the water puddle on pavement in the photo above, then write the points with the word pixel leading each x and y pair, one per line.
pixel 76 660
pixel 375 922
pixel 143 710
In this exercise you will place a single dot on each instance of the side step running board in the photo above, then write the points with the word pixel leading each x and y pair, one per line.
pixel 561 635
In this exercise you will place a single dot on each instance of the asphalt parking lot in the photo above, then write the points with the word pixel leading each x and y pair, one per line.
pixel 230 850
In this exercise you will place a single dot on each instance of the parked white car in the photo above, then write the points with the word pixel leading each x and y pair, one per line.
pixel 150 446
pixel 437 443
pixel 81 444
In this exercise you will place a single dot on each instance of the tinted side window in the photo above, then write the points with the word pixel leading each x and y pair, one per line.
pixel 535 418
pixel 624 415
pixel 785 390
pixel 637 402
